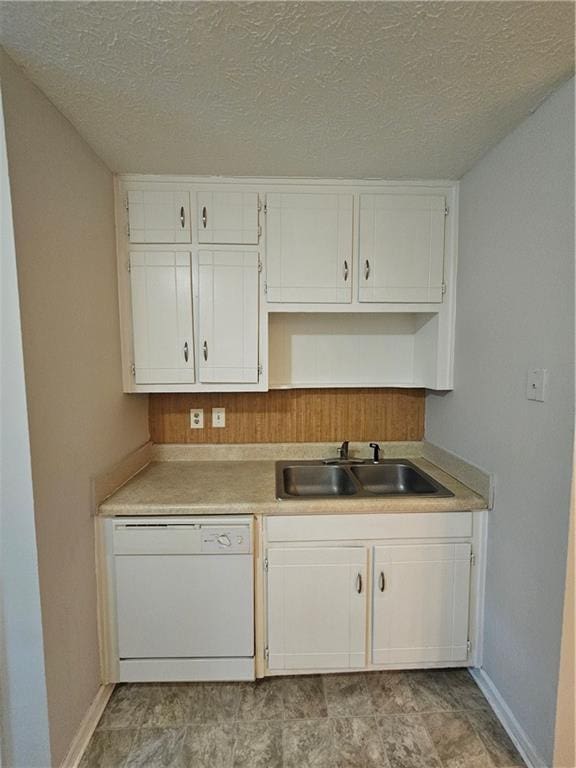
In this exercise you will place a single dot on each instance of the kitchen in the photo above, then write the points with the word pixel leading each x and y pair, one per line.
pixel 288 389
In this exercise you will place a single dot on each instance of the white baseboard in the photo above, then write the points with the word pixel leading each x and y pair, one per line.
pixel 518 735
pixel 87 727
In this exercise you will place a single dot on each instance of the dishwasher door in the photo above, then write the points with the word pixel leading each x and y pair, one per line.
pixel 184 590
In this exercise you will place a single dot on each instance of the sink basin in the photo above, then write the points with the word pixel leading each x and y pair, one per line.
pixel 317 479
pixel 394 478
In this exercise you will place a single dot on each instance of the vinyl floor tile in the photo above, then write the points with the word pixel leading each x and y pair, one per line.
pixel 407 742
pixel 347 695
pixel 497 743
pixel 422 719
pixel 108 748
pixel 303 697
pixel 258 745
pixel 308 744
pixel 457 743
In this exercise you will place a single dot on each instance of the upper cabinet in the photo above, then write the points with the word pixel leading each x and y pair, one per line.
pixel 158 216
pixel 309 247
pixel 162 317
pixel 401 248
pixel 357 286
pixel 228 218
pixel 228 316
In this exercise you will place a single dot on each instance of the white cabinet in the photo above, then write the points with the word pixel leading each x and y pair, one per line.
pixel 309 247
pixel 228 217
pixel 401 248
pixel 228 316
pixel 316 607
pixel 158 216
pixel 162 317
pixel 420 603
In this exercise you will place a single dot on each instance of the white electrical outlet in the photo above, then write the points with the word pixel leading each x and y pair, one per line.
pixel 218 417
pixel 197 418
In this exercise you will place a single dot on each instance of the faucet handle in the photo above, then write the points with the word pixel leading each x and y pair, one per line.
pixel 343 450
pixel 376 449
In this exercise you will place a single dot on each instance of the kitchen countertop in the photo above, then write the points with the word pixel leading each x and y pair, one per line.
pixel 248 487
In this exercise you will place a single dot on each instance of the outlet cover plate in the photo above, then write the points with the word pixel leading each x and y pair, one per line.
pixel 197 418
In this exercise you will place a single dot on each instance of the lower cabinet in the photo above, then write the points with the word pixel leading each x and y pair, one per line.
pixel 317 608
pixel 420 603
pixel 378 591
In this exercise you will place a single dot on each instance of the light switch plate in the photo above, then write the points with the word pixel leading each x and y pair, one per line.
pixel 218 417
pixel 197 418
pixel 536 384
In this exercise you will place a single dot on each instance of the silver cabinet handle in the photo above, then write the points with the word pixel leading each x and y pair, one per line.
pixel 204 217
pixel 182 217
pixel 345 271
pixel 381 582
pixel 186 351
pixel 359 583
pixel 366 269
pixel 205 350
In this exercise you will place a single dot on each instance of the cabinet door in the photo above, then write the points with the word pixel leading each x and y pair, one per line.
pixel 228 313
pixel 401 248
pixel 309 248
pixel 162 317
pixel 159 216
pixel 228 217
pixel 420 609
pixel 316 608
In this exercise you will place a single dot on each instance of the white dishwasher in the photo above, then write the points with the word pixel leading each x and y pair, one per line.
pixel 184 595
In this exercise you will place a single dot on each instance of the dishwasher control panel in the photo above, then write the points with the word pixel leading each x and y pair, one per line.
pixel 231 540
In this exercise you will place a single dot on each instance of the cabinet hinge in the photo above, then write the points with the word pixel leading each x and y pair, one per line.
pixel 265 287
pixel 469 646
pixel 259 231
pixel 265 208
pixel 267 653
pixel 259 371
pixel 259 266
pixel 446 211
pixel 265 559
pixel 127 217
pixel 443 288
pixel 128 265
pixel 472 558
pixel 133 370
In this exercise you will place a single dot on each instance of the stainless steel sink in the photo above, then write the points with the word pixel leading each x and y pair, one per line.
pixel 317 480
pixel 389 477
pixel 395 478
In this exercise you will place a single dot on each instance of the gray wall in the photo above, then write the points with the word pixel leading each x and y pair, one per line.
pixel 24 739
pixel 80 423
pixel 515 310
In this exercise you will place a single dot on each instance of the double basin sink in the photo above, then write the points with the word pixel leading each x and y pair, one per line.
pixel 332 478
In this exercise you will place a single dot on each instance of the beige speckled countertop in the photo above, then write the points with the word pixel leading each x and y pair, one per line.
pixel 241 487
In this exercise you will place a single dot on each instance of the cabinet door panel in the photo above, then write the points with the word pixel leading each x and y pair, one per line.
pixel 228 217
pixel 159 216
pixel 228 311
pixel 316 613
pixel 421 596
pixel 309 247
pixel 162 317
pixel 401 248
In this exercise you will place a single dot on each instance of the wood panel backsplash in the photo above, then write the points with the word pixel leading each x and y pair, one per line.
pixel 292 416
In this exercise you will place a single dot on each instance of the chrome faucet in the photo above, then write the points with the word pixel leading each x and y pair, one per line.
pixel 343 450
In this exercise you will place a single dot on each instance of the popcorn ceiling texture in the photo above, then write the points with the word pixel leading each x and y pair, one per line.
pixel 326 89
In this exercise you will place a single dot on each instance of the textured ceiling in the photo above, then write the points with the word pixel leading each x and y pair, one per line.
pixel 337 89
